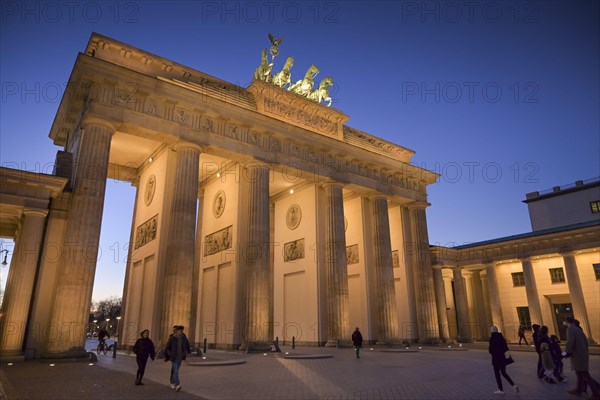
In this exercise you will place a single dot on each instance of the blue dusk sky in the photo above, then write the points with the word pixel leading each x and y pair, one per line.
pixel 499 97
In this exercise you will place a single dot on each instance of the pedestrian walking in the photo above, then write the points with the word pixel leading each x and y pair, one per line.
pixel 557 357
pixel 577 349
pixel 548 364
pixel 178 347
pixel 522 337
pixel 497 349
pixel 536 343
pixel 143 349
pixel 357 340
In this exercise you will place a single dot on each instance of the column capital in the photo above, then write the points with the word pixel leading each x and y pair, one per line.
pixel 32 212
pixel 566 252
pixel 418 205
pixel 377 196
pixel 89 120
pixel 183 145
pixel 327 184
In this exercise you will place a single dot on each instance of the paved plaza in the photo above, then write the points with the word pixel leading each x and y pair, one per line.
pixel 431 373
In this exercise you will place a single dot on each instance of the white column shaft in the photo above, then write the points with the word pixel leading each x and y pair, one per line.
pixel 77 267
pixel 576 292
pixel 462 307
pixel 384 271
pixel 16 301
pixel 440 298
pixel 494 297
pixel 255 255
pixel 533 299
pixel 425 294
pixel 180 252
pixel 336 266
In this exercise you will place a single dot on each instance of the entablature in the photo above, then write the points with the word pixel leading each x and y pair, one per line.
pixel 575 240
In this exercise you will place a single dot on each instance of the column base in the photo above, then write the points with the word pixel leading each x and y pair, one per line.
pixel 75 353
pixel 12 356
pixel 393 343
pixel 255 346
pixel 338 343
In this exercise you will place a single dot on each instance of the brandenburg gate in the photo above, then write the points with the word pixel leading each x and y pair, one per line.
pixel 258 213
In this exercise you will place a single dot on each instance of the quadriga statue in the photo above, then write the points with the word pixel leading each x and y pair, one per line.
pixel 284 77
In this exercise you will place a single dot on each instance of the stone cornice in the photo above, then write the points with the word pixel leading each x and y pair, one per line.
pixel 578 239
pixel 168 110
pixel 42 186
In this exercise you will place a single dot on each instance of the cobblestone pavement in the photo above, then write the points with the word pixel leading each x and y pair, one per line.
pixel 431 373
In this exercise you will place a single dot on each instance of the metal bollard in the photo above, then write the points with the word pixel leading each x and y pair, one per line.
pixel 293 342
pixel 115 350
pixel 204 347
pixel 337 343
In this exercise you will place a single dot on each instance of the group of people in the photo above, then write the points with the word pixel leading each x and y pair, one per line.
pixel 549 365
pixel 176 350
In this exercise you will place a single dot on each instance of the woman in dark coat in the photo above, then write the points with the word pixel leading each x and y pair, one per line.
pixel 357 340
pixel 497 349
pixel 143 349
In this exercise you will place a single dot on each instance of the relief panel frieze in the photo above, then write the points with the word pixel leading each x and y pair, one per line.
pixel 119 94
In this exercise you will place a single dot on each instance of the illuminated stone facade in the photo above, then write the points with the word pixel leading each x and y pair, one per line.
pixel 247 200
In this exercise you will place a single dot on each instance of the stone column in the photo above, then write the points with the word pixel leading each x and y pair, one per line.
pixel 440 299
pixel 180 247
pixel 425 306
pixel 336 266
pixel 255 256
pixel 494 297
pixel 486 301
pixel 407 252
pixel 194 332
pixel 451 307
pixel 77 265
pixel 479 304
pixel 576 292
pixel 21 279
pixel 473 330
pixel 533 299
pixel 462 307
pixel 387 312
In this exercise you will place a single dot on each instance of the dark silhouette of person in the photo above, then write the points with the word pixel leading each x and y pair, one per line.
pixel 497 349
pixel 143 349
pixel 522 337
pixel 357 340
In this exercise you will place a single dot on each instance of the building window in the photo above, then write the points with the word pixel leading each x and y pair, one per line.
pixel 524 318
pixel 518 279
pixel 557 275
pixel 595 206
pixel 597 271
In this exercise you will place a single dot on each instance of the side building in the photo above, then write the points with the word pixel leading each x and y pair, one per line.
pixel 537 277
